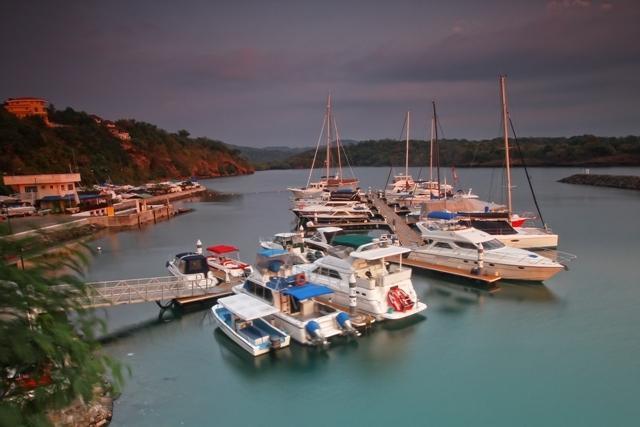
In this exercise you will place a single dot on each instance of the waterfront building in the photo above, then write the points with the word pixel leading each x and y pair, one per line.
pixel 49 191
pixel 27 106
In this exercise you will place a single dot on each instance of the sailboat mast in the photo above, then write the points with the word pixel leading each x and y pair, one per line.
pixel 406 154
pixel 436 147
pixel 328 137
pixel 431 154
pixel 505 121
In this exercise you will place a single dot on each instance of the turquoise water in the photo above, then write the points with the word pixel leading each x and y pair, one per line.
pixel 563 353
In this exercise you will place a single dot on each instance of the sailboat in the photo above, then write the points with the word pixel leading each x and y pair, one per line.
pixel 328 182
pixel 405 188
pixel 504 226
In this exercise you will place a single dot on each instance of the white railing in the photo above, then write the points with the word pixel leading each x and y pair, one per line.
pixel 133 291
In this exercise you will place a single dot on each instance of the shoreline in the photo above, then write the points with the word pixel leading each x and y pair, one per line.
pixel 623 182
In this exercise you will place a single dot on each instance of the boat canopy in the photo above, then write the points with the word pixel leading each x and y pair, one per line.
pixel 352 240
pixel 441 215
pixel 268 253
pixel 246 307
pixel 378 253
pixel 222 249
pixel 307 291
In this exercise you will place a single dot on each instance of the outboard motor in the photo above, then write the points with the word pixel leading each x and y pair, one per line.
pixel 246 272
pixel 276 341
pixel 345 324
pixel 313 329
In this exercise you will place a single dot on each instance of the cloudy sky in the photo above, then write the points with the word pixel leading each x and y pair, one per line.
pixel 257 72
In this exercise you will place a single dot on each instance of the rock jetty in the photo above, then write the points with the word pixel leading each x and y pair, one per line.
pixel 628 182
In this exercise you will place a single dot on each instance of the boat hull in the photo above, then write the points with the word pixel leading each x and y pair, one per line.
pixel 491 267
pixel 251 349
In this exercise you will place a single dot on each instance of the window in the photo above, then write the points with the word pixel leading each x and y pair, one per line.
pixel 250 287
pixel 70 187
pixel 442 245
pixel 31 189
pixel 466 245
pixel 51 187
pixel 42 187
pixel 328 272
pixel 492 244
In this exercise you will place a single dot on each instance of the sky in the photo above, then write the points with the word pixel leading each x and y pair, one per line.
pixel 257 73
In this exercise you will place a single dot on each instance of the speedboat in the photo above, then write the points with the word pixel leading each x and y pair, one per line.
pixel 226 259
pixel 192 266
pixel 466 248
pixel 299 312
pixel 243 319
pixel 379 289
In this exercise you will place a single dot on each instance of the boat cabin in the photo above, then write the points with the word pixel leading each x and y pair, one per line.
pixel 190 263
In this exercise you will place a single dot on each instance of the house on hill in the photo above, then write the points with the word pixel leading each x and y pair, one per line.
pixel 28 106
pixel 51 191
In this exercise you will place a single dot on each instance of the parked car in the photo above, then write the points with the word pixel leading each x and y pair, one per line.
pixel 19 209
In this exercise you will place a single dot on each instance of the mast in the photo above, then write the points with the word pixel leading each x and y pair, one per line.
pixel 328 136
pixel 406 154
pixel 505 121
pixel 437 148
pixel 431 154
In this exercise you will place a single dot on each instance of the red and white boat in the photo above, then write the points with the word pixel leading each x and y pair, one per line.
pixel 226 259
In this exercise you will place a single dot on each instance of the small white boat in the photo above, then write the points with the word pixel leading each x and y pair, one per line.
pixel 226 259
pixel 243 319
pixel 192 266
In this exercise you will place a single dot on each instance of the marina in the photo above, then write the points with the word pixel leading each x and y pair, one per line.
pixel 479 313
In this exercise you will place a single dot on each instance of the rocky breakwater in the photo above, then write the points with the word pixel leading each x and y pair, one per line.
pixel 628 182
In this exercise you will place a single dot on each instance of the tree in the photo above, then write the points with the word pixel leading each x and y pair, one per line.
pixel 49 355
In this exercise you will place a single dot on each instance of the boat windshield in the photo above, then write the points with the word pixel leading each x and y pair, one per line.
pixel 492 244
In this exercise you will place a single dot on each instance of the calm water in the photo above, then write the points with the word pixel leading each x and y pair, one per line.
pixel 563 353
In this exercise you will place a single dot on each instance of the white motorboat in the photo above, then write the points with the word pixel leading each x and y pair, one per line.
pixel 192 266
pixel 293 243
pixel 500 228
pixel 244 320
pixel 364 279
pixel 474 251
pixel 226 260
pixel 300 314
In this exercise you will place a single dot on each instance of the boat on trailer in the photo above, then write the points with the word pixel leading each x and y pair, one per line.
pixel 244 320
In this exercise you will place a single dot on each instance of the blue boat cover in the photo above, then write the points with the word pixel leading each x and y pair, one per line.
pixel 271 252
pixel 309 290
pixel 441 215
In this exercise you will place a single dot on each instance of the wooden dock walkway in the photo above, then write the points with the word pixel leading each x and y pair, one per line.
pixel 406 235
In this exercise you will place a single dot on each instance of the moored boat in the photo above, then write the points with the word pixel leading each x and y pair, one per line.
pixel 243 319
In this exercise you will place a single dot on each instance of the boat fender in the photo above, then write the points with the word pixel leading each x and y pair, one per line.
pixel 300 279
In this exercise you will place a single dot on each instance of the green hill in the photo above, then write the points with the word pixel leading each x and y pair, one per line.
pixel 78 142
pixel 586 150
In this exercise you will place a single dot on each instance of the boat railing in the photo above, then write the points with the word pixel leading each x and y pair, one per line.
pixel 131 291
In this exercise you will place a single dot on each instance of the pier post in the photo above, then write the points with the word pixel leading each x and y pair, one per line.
pixel 480 258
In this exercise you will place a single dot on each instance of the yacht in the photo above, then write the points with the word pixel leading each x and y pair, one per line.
pixel 299 312
pixel 466 248
pixel 245 321
pixel 364 279
pixel 192 266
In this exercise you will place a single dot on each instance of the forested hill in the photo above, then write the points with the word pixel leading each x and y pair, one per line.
pixel 586 150
pixel 78 142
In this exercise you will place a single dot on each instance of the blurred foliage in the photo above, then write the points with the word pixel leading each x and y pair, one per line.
pixel 49 355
